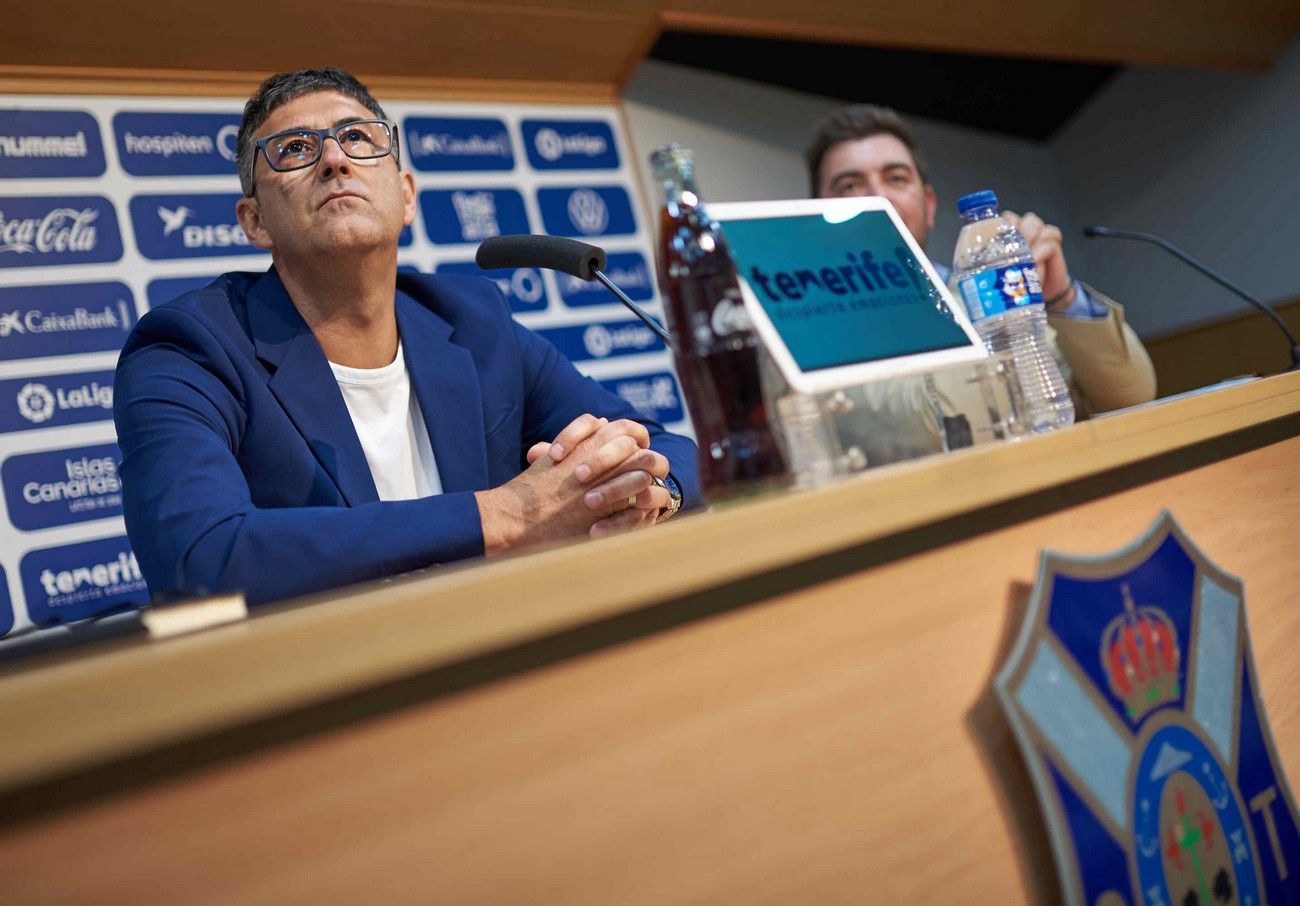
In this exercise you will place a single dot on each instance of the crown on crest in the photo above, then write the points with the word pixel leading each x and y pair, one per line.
pixel 1139 652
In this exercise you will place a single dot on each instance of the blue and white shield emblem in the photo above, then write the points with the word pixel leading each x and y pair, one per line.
pixel 1133 696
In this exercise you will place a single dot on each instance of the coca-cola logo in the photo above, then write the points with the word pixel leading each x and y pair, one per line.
pixel 61 230
pixel 729 316
pixel 66 229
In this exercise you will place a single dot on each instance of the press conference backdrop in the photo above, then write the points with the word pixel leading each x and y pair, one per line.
pixel 110 206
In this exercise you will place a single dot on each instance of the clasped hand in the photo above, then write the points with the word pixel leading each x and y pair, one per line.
pixel 595 478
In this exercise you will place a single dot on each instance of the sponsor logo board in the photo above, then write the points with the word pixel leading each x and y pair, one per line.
pixel 602 340
pixel 189 226
pixel 163 289
pixel 64 319
pixel 570 145
pixel 626 270
pixel 57 229
pixel 76 581
pixel 586 211
pixel 454 216
pixel 51 401
pixel 448 144
pixel 61 487
pixel 522 286
pixel 176 144
pixel 6 605
pixel 653 395
pixel 39 144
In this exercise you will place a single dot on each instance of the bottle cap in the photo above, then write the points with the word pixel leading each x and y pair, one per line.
pixel 976 200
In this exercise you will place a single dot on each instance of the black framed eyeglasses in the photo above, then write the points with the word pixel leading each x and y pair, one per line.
pixel 299 148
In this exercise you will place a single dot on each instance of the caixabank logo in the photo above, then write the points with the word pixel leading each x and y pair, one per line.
pixel 62 487
pixel 522 286
pixel 450 144
pixel 176 144
pixel 189 226
pixel 51 401
pixel 654 395
pixel 1134 697
pixel 64 319
pixel 586 211
pixel 456 216
pixel 627 270
pixel 53 144
pixel 37 231
pixel 608 339
pixel 570 145
pixel 86 579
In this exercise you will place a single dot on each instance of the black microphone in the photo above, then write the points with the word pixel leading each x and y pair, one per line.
pixel 1093 232
pixel 558 254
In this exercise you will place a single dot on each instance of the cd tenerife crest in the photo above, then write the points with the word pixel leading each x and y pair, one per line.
pixel 1133 696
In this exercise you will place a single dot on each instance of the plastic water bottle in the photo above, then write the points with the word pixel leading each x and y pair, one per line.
pixel 994 274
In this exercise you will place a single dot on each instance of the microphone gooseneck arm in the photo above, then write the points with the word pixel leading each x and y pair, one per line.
pixel 1093 232
pixel 557 253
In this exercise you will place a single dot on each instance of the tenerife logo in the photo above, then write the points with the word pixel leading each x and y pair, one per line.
pixel 603 340
pixel 522 286
pixel 81 580
pixel 188 226
pixel 60 487
pixel 454 216
pixel 627 270
pixel 177 144
pixel 448 144
pixel 64 319
pixel 37 144
pixel 586 211
pixel 61 399
pixel 72 229
pixel 570 145
pixel 1134 699
pixel 653 395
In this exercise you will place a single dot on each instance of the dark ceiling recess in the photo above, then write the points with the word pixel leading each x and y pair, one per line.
pixel 1016 97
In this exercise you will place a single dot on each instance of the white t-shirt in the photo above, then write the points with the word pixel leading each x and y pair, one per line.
pixel 391 428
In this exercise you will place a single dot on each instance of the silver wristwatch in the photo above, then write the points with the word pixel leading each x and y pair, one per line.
pixel 674 490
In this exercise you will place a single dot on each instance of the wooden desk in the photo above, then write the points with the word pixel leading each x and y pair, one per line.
pixel 785 700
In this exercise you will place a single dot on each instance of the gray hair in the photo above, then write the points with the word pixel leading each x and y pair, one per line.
pixel 279 90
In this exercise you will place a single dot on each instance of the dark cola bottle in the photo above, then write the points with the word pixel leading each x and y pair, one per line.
pixel 717 354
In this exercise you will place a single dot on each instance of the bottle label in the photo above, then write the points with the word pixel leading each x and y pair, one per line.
pixel 729 315
pixel 1000 289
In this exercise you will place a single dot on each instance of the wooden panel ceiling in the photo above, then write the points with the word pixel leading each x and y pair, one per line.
pixel 568 48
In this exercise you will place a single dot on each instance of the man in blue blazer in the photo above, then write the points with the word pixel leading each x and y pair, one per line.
pixel 330 422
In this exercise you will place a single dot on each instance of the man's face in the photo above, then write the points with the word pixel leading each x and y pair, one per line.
pixel 335 206
pixel 880 165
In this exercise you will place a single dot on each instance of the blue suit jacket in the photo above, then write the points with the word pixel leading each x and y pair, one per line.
pixel 241 468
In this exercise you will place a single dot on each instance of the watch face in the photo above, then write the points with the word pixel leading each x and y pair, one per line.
pixel 673 487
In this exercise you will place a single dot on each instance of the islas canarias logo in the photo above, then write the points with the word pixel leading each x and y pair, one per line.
pixel 1133 695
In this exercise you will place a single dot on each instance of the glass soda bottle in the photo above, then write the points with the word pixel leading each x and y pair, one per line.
pixel 994 275
pixel 715 349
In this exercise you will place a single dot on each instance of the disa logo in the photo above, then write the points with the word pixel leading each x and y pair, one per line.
pixel 188 226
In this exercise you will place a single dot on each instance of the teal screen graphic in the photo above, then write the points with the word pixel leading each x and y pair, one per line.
pixel 842 293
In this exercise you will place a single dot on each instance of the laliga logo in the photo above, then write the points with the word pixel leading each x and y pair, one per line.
pixel 61 230
pixel 36 403
pixel 226 138
pixel 552 146
pixel 598 341
pixel 11 323
pixel 588 212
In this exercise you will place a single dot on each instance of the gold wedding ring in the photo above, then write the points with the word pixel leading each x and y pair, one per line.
pixel 631 502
